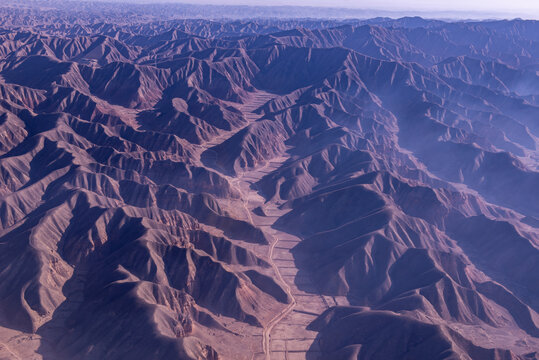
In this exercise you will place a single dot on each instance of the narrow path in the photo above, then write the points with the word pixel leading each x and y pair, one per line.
pixel 285 336
pixel 269 327
pixel 248 179
pixel 248 110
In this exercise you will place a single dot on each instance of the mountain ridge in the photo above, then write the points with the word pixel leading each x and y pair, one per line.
pixel 262 189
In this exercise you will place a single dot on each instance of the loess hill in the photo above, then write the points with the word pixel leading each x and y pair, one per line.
pixel 267 189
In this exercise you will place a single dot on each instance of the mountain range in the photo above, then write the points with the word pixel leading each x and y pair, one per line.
pixel 267 188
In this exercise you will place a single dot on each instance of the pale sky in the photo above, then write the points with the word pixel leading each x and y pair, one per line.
pixel 523 7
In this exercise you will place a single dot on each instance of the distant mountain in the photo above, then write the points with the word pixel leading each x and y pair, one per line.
pixel 266 188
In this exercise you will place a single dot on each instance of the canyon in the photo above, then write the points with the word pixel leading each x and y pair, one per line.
pixel 267 188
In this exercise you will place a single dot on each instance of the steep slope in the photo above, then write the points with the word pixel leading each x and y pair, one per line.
pixel 269 189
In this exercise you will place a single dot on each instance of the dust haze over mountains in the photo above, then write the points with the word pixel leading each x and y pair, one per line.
pixel 115 10
pixel 269 188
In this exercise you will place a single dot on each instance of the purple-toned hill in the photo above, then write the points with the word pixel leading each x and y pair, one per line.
pixel 267 189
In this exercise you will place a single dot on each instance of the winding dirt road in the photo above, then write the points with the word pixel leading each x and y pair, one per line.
pixel 286 334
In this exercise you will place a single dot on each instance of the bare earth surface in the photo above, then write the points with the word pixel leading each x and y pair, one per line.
pixel 269 189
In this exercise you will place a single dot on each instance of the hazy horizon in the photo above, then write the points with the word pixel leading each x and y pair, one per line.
pixel 476 9
pixel 346 180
